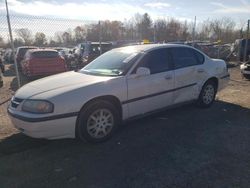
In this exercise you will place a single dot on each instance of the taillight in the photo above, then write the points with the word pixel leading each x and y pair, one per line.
pixel 62 60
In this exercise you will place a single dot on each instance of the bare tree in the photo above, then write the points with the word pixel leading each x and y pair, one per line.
pixel 40 39
pixel 58 37
pixel 205 30
pixel 80 34
pixel 25 35
pixel 93 32
pixel 67 37
pixel 222 29
pixel 143 24
pixel 161 27
pixel 129 30
pixel 173 30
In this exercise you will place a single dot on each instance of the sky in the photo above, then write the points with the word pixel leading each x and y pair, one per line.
pixel 24 13
pixel 125 9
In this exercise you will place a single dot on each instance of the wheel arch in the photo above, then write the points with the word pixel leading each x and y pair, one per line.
pixel 213 79
pixel 109 98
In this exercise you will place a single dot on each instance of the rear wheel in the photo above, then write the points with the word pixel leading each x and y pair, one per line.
pixel 97 122
pixel 207 94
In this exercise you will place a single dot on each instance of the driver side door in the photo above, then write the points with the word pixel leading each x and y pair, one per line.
pixel 154 91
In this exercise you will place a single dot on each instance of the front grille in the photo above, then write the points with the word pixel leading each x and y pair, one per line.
pixel 15 102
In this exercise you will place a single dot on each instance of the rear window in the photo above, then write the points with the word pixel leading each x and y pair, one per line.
pixel 45 54
pixel 22 51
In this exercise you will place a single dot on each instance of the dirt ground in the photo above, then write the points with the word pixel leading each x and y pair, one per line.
pixel 182 147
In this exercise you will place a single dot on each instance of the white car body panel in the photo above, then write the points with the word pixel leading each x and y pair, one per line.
pixel 70 91
pixel 185 77
pixel 54 129
pixel 140 88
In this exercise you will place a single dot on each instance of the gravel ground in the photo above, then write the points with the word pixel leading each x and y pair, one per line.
pixel 182 147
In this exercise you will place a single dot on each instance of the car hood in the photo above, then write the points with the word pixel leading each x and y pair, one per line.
pixel 59 81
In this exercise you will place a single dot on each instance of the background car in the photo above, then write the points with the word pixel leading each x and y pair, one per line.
pixel 68 56
pixel 42 62
pixel 239 49
pixel 21 51
pixel 9 56
pixel 245 69
pixel 88 51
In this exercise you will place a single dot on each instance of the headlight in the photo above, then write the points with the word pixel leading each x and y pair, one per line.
pixel 38 106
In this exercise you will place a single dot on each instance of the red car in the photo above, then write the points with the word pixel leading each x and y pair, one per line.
pixel 21 51
pixel 42 62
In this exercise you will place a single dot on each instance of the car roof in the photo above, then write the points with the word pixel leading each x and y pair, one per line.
pixel 149 47
pixel 42 50
pixel 101 43
pixel 24 47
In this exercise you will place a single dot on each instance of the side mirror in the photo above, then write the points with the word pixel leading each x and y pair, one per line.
pixel 142 71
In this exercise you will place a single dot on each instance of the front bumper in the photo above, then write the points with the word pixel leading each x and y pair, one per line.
pixel 44 128
pixel 245 69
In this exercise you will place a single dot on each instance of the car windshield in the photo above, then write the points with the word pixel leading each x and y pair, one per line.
pixel 112 63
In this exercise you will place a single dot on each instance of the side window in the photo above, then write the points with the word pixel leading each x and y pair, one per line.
pixel 157 61
pixel 200 58
pixel 184 57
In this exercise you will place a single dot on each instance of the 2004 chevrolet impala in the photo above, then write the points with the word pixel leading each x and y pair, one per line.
pixel 121 84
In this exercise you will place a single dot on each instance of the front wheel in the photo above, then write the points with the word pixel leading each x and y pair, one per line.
pixel 97 122
pixel 207 94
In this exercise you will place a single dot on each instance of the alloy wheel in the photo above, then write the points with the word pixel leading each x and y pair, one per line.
pixel 100 123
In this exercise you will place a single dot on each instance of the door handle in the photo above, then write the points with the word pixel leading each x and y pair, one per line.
pixel 200 70
pixel 168 77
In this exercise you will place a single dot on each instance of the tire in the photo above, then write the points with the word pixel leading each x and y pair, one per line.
pixel 97 122
pixel 207 94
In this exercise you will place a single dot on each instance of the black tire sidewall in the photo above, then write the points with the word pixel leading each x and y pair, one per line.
pixel 201 102
pixel 82 132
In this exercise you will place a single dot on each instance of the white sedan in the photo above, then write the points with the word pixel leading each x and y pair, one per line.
pixel 121 84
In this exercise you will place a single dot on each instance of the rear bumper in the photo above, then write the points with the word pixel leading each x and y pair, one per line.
pixel 223 81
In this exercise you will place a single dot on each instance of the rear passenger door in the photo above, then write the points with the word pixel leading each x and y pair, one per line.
pixel 188 71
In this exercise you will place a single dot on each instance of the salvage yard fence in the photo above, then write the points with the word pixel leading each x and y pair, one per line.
pixel 31 31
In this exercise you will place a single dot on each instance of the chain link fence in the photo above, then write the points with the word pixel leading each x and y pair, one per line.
pixel 25 29
pixel 41 32
pixel 6 127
